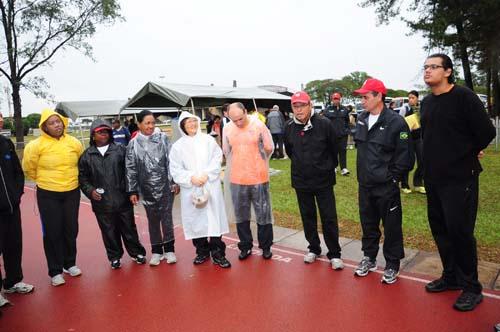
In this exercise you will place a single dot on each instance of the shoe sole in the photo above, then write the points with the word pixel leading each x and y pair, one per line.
pixel 469 308
pixel 59 284
pixel 451 288
pixel 389 282
pixel 171 262
pixel 71 274
pixel 337 268
pixel 8 291
pixel 218 264
pixel 356 273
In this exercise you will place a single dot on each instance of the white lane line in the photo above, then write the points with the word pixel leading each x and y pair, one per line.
pixel 421 280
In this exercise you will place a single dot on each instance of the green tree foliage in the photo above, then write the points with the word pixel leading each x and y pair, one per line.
pixel 469 28
pixel 35 30
pixel 33 120
pixel 321 90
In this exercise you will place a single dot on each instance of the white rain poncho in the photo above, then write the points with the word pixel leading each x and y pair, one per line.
pixel 246 178
pixel 198 155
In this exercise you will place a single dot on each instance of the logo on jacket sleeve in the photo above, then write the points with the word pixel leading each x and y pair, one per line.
pixel 403 135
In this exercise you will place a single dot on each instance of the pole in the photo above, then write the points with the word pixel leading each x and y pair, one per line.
pixel 255 105
pixel 192 106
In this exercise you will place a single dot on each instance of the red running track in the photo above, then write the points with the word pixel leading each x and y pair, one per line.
pixel 282 294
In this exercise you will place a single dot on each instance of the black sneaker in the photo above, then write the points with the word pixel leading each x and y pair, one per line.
pixel 244 254
pixel 116 264
pixel 267 253
pixel 200 259
pixel 467 301
pixel 366 265
pixel 139 259
pixel 221 261
pixel 440 285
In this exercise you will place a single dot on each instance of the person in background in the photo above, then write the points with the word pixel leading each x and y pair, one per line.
pixel 384 155
pixel 248 145
pixel 11 235
pixel 195 164
pixel 102 180
pixel 121 135
pixel 51 161
pixel 311 144
pixel 412 118
pixel 276 124
pixel 132 127
pixel 455 130
pixel 148 177
pixel 339 117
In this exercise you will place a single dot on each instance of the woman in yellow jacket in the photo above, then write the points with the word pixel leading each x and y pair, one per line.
pixel 51 161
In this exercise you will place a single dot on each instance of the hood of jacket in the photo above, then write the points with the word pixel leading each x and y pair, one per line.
pixel 184 115
pixel 100 123
pixel 47 113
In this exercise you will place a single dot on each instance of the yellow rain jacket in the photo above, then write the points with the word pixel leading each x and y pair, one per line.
pixel 53 163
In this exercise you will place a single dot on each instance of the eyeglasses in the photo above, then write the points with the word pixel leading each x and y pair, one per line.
pixel 432 67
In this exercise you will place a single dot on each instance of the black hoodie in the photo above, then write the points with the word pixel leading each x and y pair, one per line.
pixel 11 177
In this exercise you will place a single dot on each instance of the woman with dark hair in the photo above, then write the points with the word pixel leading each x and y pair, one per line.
pixel 195 164
pixel 148 177
pixel 51 161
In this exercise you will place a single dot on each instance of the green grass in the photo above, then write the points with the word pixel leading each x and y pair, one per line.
pixel 415 225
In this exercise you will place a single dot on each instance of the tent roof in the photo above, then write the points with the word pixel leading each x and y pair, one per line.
pixel 75 109
pixel 178 95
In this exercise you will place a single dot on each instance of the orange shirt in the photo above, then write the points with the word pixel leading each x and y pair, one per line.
pixel 245 148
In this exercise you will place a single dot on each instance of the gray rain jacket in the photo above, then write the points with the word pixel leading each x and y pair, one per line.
pixel 147 168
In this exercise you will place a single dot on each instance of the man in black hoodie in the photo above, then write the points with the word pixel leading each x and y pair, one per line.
pixel 102 180
pixel 455 130
pixel 11 237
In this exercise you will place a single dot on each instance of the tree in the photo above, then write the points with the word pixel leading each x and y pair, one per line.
pixel 35 30
pixel 470 28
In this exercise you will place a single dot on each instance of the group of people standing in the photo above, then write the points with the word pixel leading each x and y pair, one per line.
pixel 115 177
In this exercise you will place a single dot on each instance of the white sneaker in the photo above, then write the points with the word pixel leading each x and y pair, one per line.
pixel 337 263
pixel 344 171
pixel 155 259
pixel 73 271
pixel 170 257
pixel 58 280
pixel 20 287
pixel 3 300
pixel 310 257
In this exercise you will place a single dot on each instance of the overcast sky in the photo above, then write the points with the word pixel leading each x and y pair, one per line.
pixel 259 42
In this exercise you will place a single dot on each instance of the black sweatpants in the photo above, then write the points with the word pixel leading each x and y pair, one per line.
pixel 11 248
pixel 342 150
pixel 59 215
pixel 376 203
pixel 116 226
pixel 328 214
pixel 452 210
pixel 418 175
pixel 278 146
pixel 212 245
pixel 264 235
pixel 160 224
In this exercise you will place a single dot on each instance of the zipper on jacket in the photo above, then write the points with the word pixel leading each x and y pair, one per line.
pixel 6 192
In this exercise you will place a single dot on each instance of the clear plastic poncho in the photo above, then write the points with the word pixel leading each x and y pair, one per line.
pixel 246 177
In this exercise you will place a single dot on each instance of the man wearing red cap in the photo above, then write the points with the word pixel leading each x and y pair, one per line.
pixel 310 142
pixel 339 116
pixel 384 155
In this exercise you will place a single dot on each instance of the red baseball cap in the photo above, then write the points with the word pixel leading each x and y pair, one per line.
pixel 101 128
pixel 336 95
pixel 372 84
pixel 301 97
